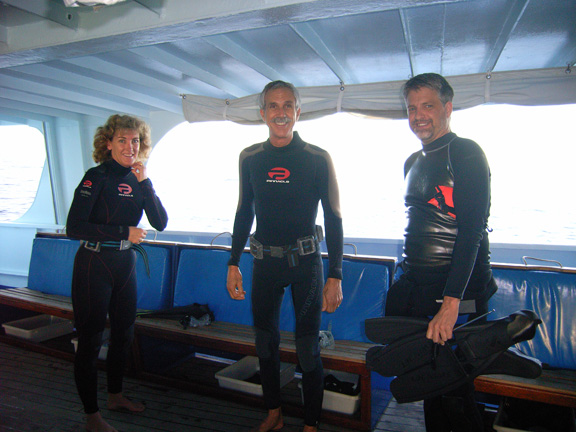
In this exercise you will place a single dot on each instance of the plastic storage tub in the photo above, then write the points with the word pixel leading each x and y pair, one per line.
pixel 39 328
pixel 339 402
pixel 234 376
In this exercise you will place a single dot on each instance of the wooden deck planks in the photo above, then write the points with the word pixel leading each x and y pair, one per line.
pixel 37 393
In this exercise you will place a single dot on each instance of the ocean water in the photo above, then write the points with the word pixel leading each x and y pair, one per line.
pixel 18 186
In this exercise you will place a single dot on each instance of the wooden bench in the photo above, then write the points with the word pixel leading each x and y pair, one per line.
pixel 555 387
pixel 349 356
pixel 234 338
pixel 25 298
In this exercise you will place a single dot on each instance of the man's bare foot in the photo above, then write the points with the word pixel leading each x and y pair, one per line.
pixel 273 422
pixel 310 428
pixel 95 423
pixel 117 402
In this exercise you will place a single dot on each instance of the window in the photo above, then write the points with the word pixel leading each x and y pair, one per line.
pixel 195 171
pixel 22 158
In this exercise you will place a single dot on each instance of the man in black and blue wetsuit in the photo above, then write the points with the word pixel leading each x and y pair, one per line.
pixel 282 181
pixel 446 262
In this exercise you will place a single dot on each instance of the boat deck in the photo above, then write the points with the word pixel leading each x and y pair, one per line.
pixel 37 393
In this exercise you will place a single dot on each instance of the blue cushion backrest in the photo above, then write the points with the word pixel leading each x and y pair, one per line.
pixel 364 289
pixel 552 295
pixel 155 292
pixel 51 265
pixel 201 278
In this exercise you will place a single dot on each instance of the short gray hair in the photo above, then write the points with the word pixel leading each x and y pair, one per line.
pixel 275 85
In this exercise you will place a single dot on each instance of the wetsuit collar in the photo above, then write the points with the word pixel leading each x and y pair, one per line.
pixel 296 143
pixel 116 168
pixel 439 143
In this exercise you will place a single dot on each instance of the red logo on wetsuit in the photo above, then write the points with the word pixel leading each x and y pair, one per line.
pixel 443 200
pixel 279 173
pixel 87 183
pixel 124 189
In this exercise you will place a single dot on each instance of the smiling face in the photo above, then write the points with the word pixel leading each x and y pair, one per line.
pixel 280 114
pixel 429 118
pixel 125 146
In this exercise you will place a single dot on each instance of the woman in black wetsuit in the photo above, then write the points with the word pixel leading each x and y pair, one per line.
pixel 107 207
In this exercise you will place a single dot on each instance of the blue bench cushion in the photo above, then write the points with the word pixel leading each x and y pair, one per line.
pixel 155 292
pixel 201 278
pixel 552 295
pixel 52 264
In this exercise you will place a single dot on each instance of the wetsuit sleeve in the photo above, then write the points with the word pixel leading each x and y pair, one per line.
pixel 244 213
pixel 472 203
pixel 78 224
pixel 409 162
pixel 330 197
pixel 155 211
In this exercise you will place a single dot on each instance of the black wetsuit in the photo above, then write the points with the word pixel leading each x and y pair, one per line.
pixel 446 247
pixel 282 186
pixel 108 201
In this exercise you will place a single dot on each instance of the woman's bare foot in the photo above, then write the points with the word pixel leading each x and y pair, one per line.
pixel 117 402
pixel 273 422
pixel 95 423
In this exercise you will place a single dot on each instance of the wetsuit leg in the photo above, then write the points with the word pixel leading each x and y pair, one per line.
pixel 267 294
pixel 92 284
pixel 307 291
pixel 122 313
pixel 457 410
pixel 399 299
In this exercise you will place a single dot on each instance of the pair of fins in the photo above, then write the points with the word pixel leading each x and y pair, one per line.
pixel 424 369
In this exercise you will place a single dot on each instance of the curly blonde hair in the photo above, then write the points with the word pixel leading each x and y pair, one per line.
pixel 117 122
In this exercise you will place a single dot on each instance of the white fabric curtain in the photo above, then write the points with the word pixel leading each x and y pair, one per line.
pixel 533 87
pixel 76 3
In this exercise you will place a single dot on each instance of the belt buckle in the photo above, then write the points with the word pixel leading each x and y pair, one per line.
pixel 277 251
pixel 306 245
pixel 95 248
pixel 125 245
pixel 256 248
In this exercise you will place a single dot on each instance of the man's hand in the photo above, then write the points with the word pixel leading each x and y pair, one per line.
pixel 332 295
pixel 441 326
pixel 234 283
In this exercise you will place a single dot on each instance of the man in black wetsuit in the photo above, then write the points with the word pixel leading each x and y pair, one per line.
pixel 446 261
pixel 281 182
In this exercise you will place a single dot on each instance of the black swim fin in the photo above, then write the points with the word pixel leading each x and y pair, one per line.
pixel 385 330
pixel 424 369
pixel 514 362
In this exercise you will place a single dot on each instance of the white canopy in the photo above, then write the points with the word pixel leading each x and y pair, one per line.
pixel 534 87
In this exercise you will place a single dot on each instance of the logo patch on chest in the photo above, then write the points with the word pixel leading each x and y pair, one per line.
pixel 443 200
pixel 278 175
pixel 125 190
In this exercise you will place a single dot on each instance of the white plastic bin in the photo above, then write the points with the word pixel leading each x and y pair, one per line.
pixel 339 402
pixel 39 328
pixel 234 376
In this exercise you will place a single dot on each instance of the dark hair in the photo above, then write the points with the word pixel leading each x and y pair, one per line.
pixel 432 81
pixel 278 84
pixel 116 122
